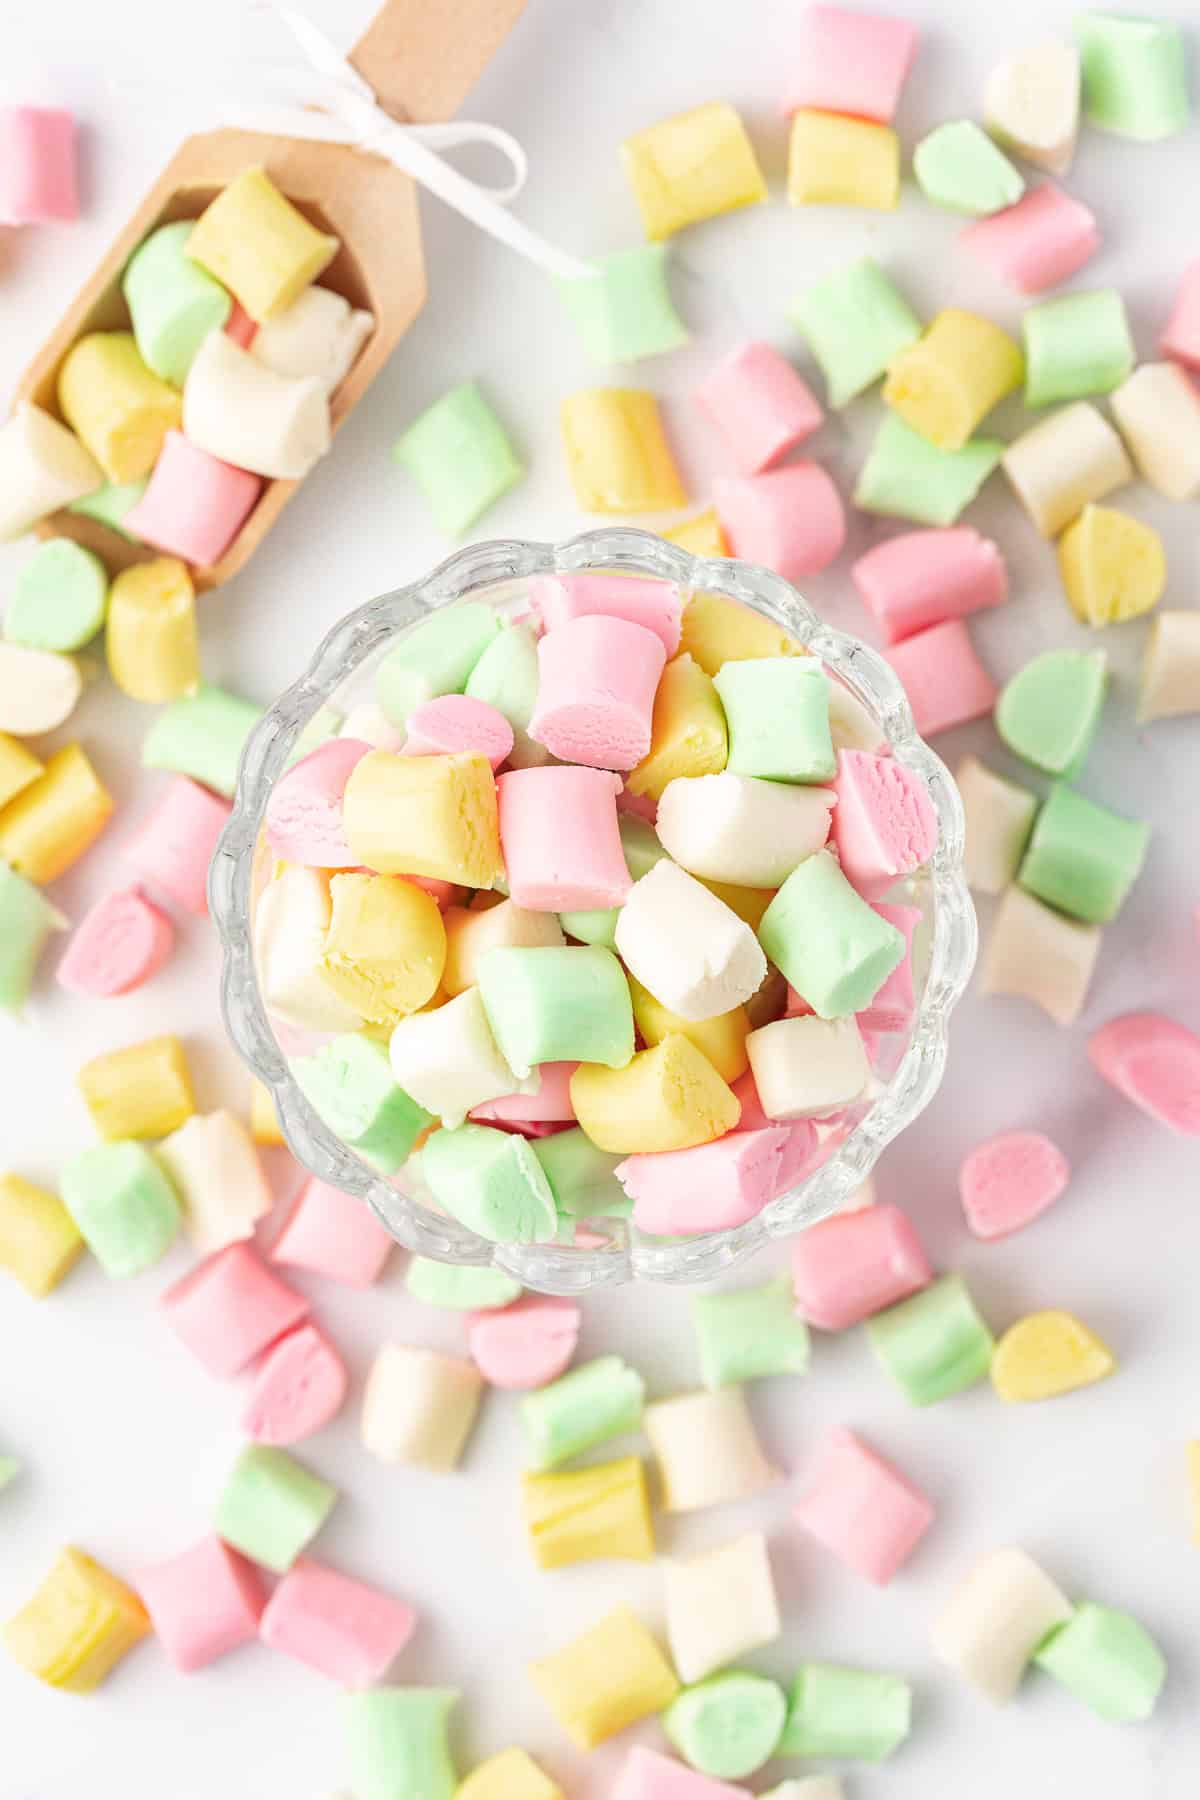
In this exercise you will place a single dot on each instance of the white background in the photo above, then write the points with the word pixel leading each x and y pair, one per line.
pixel 125 1439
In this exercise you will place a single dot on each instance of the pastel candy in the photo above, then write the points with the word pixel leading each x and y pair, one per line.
pixel 1158 411
pixel 548 1098
pixel 907 477
pixel 203 1602
pixel 560 837
pixel 424 815
pixel 1044 239
pixel 1170 678
pixel 38 156
pixel 586 1515
pixel 118 407
pixel 1038 955
pixel 385 946
pixel 304 810
pixel 460 456
pixel 447 1059
pixel 811 1787
pixel 1048 1353
pixel 297 1388
pixel 617 452
pixel 933 1344
pixel 942 676
pixel 230 1308
pixel 1031 104
pixel 1134 75
pixel 923 578
pixel 598 1400
pixel 436 657
pixel 42 466
pixel 171 848
pixel 622 309
pixel 744 1335
pixel 721 1037
pixel 215 1171
pixel 57 818
pixel 606 1679
pixel 715 631
pixel 1155 1063
pixel 666 1098
pixel 597 680
pixel 1049 711
pixel 59 598
pixel 333 1234
pixel 994 1621
pixel 711 1187
pixel 39 689
pixel 707 1450
pixel 808 1067
pixel 398 1742
pixel 884 825
pixel 419 1408
pixel 264 1116
pixel 242 412
pixel 143 1091
pixel 1082 858
pixel 846 1713
pixel 194 504
pixel 696 956
pixel 738 829
pixel 862 1509
pixel 1008 1181
pixel 688 736
pixel 338 1626
pixel 839 161
pixel 791 519
pixel 848 1267
pixel 854 321
pixel 19 767
pixel 509 1775
pixel 271 1506
pixel 1058 466
pixel 453 723
pixel 958 166
pixel 152 643
pixel 470 934
pixel 648 1775
pixel 999 815
pixel 122 1205
pixel 77 1626
pixel 1076 344
pixel 492 1182
pixel 506 677
pixel 759 405
pixel 39 1240
pixel 111 504
pixel 1181 336
pixel 850 62
pixel 777 712
pixel 524 1345
pixel 692 167
pixel 349 1085
pixel 550 1005
pixel 173 303
pixel 947 383
pixel 581 1176
pixel 893 1006
pixel 291 921
pixel 203 736
pixel 1113 567
pixel 701 535
pixel 729 1724
pixel 834 949
pixel 1107 1660
pixel 258 244
pixel 719 1604
pixel 318 334
pixel 656 606
pixel 27 921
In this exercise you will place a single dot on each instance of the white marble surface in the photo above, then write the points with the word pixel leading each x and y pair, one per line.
pixel 126 1440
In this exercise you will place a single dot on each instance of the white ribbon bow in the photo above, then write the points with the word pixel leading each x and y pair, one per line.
pixel 351 114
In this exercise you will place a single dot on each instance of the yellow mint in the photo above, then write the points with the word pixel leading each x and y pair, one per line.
pixel 687 733
pixel 944 385
pixel 1046 1354
pixel 1113 567
pixel 716 631
pixel 385 947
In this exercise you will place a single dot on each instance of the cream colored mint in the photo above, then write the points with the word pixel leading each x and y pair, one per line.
pixel 836 951
pixel 853 1714
pixel 350 1086
pixel 599 1400
pixel 1049 711
pixel 581 1176
pixel 1106 1659
pixel 58 599
pixel 202 735
pixel 27 920
pixel 459 1287
pixel 959 167
pixel 506 677
pixel 435 658
pixel 622 312
pixel 557 1005
pixel 173 303
pixel 749 1333
pixel 907 477
pixel 777 711
pixel 854 322
pixel 491 1182
pixel 933 1344
pixel 729 1725
pixel 446 1058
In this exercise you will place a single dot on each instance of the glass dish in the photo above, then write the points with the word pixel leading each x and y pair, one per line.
pixel 908 1065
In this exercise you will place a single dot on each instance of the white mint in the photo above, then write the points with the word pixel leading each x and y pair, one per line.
pixel 1069 459
pixel 1158 411
pixel 290 922
pixel 1171 667
pixel 738 829
pixel 371 725
pixel 995 1619
pixel 719 1605
pixel 850 724
pixel 706 1449
pixel 807 1068
pixel 999 815
pixel 1038 954
pixel 39 689
pixel 809 1787
pixel 448 1061
pixel 319 334
pixel 419 1407
pixel 215 1170
pixel 236 408
pixel 42 466
pixel 687 947
pixel 1031 104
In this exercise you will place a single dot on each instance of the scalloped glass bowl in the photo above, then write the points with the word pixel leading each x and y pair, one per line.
pixel 908 1065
